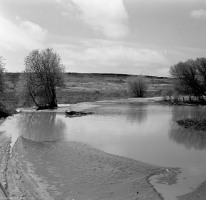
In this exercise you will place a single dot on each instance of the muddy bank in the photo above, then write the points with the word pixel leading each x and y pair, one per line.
pixel 88 173
pixel 92 174
pixel 198 194
pixel 10 186
pixel 4 157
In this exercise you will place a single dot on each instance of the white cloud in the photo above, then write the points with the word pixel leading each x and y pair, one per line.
pixel 107 16
pixel 172 1
pixel 18 34
pixel 111 57
pixel 198 14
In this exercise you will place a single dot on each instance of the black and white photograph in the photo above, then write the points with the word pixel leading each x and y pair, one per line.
pixel 102 99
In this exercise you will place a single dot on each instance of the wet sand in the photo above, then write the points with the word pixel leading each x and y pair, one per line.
pixel 198 194
pixel 94 174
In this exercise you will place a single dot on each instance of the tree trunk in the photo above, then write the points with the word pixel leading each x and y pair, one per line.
pixel 53 103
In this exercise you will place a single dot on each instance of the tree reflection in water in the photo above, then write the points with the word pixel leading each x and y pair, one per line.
pixel 187 137
pixel 184 112
pixel 41 127
pixel 137 113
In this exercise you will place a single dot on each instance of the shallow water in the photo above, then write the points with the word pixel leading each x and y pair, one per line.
pixel 144 132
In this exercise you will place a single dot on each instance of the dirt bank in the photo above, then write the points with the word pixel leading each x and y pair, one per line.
pixel 86 172
pixel 198 194
pixel 97 175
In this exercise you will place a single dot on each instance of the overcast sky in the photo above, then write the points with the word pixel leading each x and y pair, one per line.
pixel 105 36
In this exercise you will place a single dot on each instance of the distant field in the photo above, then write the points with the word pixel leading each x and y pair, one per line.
pixel 94 87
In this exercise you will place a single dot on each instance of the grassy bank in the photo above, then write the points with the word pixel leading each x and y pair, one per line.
pixel 83 87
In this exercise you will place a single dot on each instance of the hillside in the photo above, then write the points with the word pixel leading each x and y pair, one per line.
pixel 82 87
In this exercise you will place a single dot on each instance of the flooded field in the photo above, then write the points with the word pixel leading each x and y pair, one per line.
pixel 139 131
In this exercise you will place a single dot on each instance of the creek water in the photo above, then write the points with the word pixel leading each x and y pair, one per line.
pixel 144 132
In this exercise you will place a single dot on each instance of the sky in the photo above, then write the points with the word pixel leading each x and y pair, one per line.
pixel 104 36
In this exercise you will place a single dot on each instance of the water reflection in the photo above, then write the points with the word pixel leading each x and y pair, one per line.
pixel 183 112
pixel 40 127
pixel 137 113
pixel 189 138
pixel 133 112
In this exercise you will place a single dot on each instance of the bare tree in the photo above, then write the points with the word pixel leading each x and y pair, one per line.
pixel 191 77
pixel 137 86
pixel 201 70
pixel 43 74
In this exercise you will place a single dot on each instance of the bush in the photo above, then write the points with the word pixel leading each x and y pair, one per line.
pixel 137 87
pixel 4 112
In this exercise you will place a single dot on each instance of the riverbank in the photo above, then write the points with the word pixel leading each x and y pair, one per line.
pixel 94 174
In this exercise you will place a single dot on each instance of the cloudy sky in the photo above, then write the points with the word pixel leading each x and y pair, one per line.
pixel 105 36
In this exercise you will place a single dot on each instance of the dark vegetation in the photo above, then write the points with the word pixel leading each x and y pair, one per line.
pixel 137 86
pixel 196 124
pixel 5 110
pixel 43 74
pixel 72 114
pixel 189 85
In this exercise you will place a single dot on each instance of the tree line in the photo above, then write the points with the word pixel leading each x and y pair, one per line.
pixel 44 75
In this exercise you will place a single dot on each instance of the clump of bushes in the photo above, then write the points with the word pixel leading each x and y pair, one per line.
pixel 137 86
pixel 4 112
pixel 197 124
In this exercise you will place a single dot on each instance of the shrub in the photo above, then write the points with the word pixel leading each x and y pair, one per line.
pixel 137 87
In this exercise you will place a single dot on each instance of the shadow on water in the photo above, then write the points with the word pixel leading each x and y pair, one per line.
pixel 40 127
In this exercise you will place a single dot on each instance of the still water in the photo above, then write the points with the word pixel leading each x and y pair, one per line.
pixel 144 132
